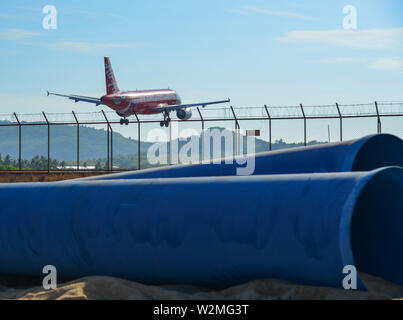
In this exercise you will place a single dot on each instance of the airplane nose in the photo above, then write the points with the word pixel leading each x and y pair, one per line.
pixel 178 99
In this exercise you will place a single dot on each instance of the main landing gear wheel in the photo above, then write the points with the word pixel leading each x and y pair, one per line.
pixel 124 121
pixel 164 123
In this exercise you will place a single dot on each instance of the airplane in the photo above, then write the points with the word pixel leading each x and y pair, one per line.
pixel 127 103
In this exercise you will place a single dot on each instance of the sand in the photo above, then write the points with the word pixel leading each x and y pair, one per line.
pixel 107 288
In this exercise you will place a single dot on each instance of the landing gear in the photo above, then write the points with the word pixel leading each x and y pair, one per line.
pixel 124 121
pixel 166 121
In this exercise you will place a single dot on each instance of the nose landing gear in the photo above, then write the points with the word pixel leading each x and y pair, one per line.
pixel 124 121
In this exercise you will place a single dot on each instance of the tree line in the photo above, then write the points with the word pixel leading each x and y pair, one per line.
pixel 41 163
pixel 36 163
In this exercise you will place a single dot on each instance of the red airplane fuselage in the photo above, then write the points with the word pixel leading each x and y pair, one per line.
pixel 127 103
pixel 141 102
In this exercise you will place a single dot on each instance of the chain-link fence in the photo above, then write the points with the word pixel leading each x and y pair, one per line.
pixel 267 123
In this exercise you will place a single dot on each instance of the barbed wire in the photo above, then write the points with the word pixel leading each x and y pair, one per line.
pixel 385 108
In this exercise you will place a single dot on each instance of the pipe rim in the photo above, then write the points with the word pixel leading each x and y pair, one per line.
pixel 357 147
pixel 345 227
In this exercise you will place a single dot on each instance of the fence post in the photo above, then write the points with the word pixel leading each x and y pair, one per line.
pixel 170 143
pixel 379 118
pixel 341 121
pixel 19 142
pixel 44 115
pixel 110 154
pixel 237 137
pixel 111 147
pixel 202 136
pixel 268 115
pixel 78 141
pixel 303 114
pixel 138 142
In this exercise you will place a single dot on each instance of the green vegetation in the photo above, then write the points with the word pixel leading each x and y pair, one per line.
pixel 63 142
pixel 36 163
pixel 93 150
pixel 119 162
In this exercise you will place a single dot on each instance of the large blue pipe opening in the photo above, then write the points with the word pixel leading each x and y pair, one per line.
pixel 376 225
pixel 365 154
pixel 214 232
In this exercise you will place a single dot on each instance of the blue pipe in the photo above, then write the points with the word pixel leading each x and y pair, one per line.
pixel 214 231
pixel 365 154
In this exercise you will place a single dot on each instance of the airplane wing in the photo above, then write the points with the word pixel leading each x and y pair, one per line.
pixel 193 105
pixel 77 98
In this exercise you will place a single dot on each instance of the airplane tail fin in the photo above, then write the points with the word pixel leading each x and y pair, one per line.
pixel 111 85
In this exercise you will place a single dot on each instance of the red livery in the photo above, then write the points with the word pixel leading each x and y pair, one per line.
pixel 127 103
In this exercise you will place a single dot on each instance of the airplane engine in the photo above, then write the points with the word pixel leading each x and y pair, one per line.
pixel 184 114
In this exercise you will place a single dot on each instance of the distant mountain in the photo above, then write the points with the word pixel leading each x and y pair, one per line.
pixel 63 141
pixel 93 143
pixel 130 161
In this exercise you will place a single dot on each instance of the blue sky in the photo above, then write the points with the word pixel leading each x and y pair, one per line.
pixel 256 52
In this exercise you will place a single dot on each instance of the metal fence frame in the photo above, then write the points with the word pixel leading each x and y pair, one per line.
pixel 269 118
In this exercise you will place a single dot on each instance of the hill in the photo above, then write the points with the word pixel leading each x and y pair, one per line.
pixel 93 145
pixel 63 142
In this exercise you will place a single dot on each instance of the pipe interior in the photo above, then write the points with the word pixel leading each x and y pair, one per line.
pixel 376 227
pixel 380 151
